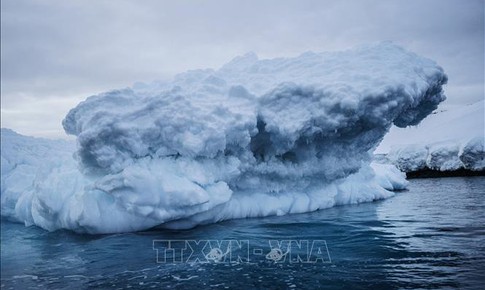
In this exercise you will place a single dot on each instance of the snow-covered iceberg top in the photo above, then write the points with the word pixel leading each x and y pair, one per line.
pixel 254 138
pixel 264 108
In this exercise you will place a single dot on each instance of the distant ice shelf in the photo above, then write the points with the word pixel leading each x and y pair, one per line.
pixel 252 139
pixel 446 158
pixel 450 142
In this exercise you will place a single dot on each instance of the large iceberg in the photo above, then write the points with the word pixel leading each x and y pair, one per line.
pixel 254 138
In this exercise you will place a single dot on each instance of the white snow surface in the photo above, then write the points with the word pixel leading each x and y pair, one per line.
pixel 254 138
pixel 456 123
pixel 449 139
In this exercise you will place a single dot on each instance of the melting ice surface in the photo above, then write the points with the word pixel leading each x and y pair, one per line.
pixel 254 138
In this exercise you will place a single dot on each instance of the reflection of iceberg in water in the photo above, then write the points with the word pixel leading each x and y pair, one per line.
pixel 254 138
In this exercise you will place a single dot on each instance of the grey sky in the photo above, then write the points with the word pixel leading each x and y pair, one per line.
pixel 56 53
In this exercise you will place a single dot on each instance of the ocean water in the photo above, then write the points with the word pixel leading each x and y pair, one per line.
pixel 431 236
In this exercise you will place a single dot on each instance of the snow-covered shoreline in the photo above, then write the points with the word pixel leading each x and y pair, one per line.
pixel 447 158
pixel 449 142
pixel 439 159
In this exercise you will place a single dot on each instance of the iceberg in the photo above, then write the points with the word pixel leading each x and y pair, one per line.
pixel 251 139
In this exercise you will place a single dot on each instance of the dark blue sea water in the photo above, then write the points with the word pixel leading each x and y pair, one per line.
pixel 431 236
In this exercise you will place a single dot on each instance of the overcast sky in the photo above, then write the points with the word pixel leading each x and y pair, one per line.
pixel 56 53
